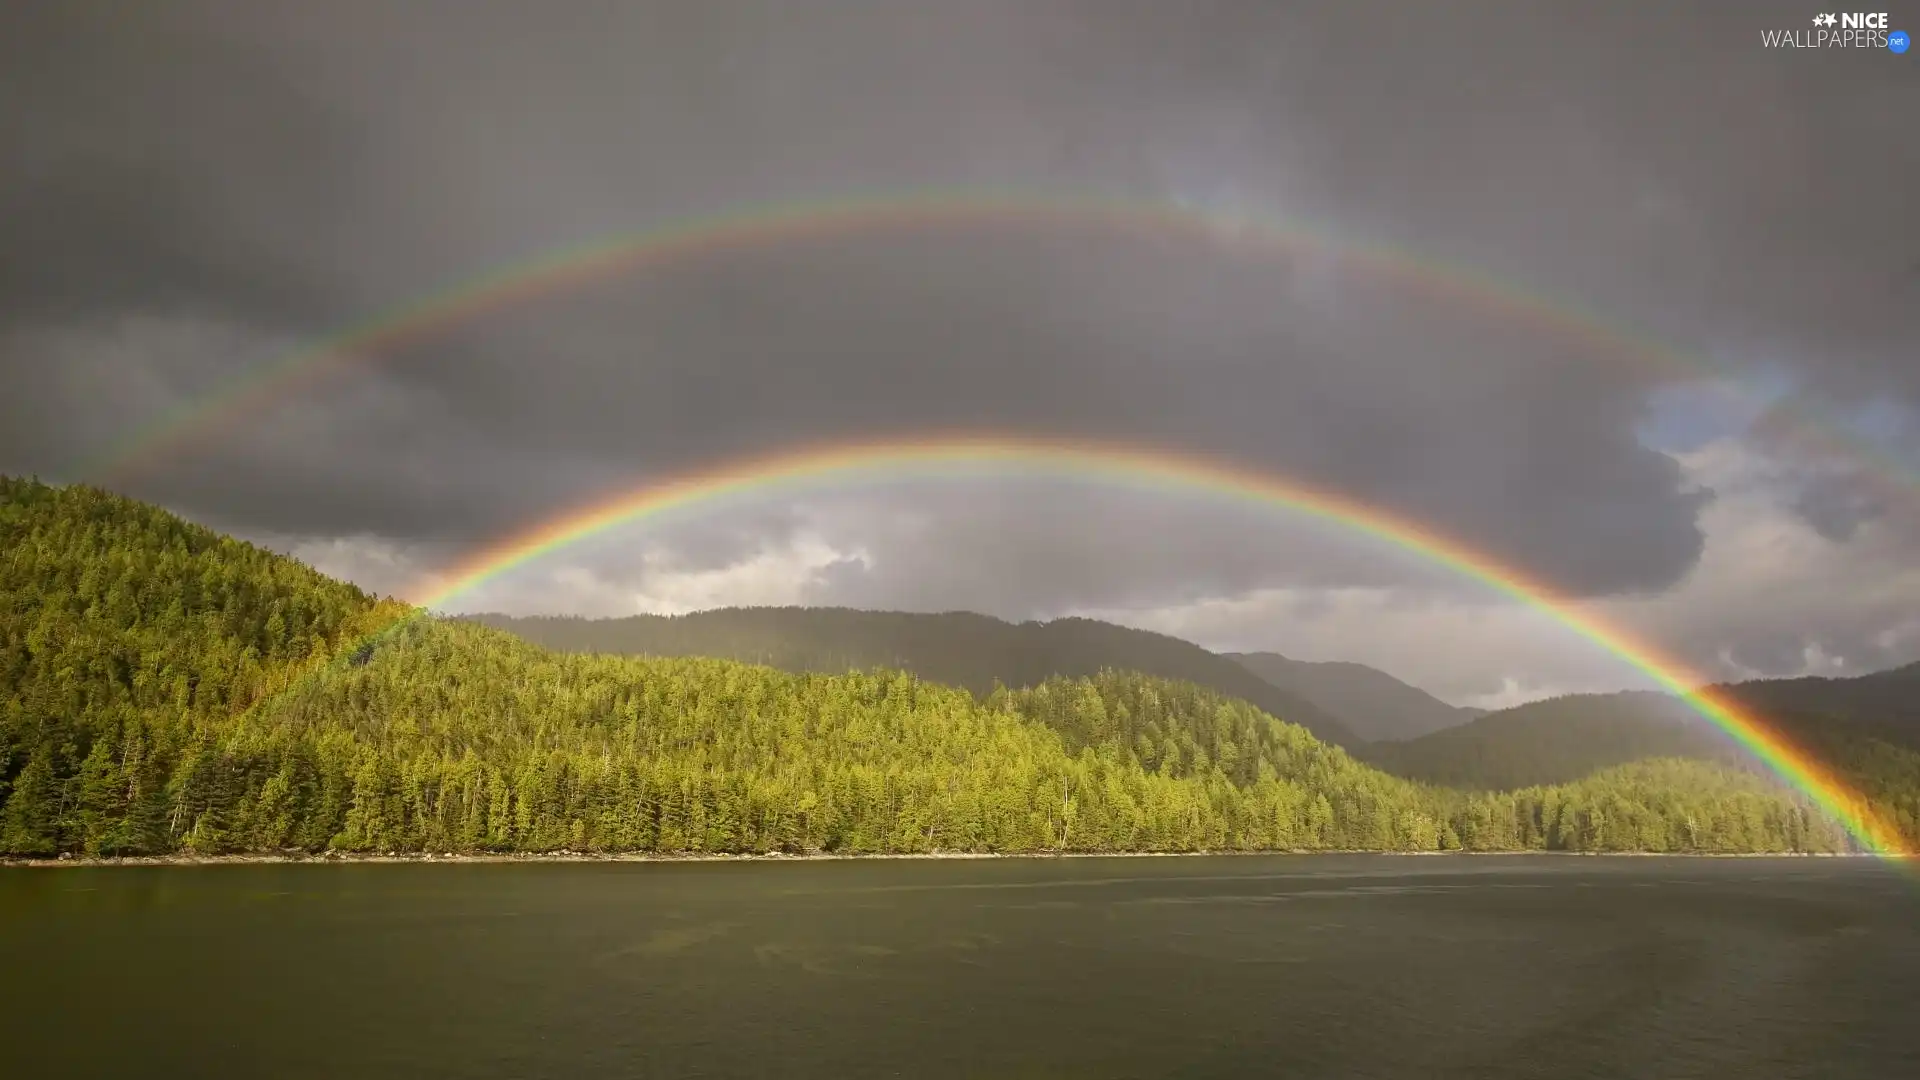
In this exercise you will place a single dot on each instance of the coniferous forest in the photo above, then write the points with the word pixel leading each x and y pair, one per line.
pixel 165 689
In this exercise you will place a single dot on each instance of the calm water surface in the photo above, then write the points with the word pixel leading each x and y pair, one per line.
pixel 1199 967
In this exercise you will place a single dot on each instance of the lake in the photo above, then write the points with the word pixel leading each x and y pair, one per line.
pixel 1336 966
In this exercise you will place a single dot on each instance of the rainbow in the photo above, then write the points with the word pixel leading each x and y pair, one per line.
pixel 1163 469
pixel 764 226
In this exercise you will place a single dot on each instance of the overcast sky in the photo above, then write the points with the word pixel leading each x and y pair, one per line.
pixel 189 190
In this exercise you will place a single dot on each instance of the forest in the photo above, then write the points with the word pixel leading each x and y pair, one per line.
pixel 165 689
pixel 957 648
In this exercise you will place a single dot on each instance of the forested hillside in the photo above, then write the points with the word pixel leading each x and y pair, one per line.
pixel 1374 704
pixel 1556 740
pixel 1862 728
pixel 955 648
pixel 169 690
pixel 454 737
pixel 124 633
pixel 1884 705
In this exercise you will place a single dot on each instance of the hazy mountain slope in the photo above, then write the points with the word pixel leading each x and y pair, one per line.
pixel 1555 741
pixel 956 648
pixel 1884 704
pixel 1372 703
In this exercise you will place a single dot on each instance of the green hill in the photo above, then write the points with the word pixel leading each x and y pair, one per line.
pixel 168 690
pixel 124 632
pixel 1373 704
pixel 957 648
pixel 1884 705
pixel 1555 741
pixel 1863 728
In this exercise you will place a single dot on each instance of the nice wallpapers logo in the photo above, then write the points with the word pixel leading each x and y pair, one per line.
pixel 1848 29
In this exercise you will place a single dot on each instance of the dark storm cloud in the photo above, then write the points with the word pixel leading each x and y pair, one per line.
pixel 152 167
pixel 248 176
pixel 1836 506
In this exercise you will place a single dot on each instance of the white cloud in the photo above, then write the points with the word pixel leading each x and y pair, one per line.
pixel 784 576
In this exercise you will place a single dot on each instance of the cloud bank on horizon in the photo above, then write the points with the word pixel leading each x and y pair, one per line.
pixel 192 191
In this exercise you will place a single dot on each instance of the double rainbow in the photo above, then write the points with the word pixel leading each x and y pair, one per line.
pixel 766 227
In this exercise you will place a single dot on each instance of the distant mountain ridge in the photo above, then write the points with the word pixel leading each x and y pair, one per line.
pixel 1374 704
pixel 1884 704
pixel 956 648
pixel 1564 736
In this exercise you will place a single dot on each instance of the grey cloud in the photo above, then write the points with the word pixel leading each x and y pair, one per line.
pixel 272 172
pixel 1836 508
pixel 154 167
pixel 1771 596
pixel 1836 490
pixel 1768 651
pixel 1037 548
pixel 891 338
pixel 1027 548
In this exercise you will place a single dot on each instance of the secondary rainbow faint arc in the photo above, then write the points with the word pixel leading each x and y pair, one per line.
pixel 1129 464
pixel 770 224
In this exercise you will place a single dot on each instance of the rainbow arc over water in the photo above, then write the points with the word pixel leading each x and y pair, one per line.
pixel 796 471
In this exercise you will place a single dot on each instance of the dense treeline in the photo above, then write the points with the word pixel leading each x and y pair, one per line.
pixel 456 738
pixel 956 648
pixel 170 690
